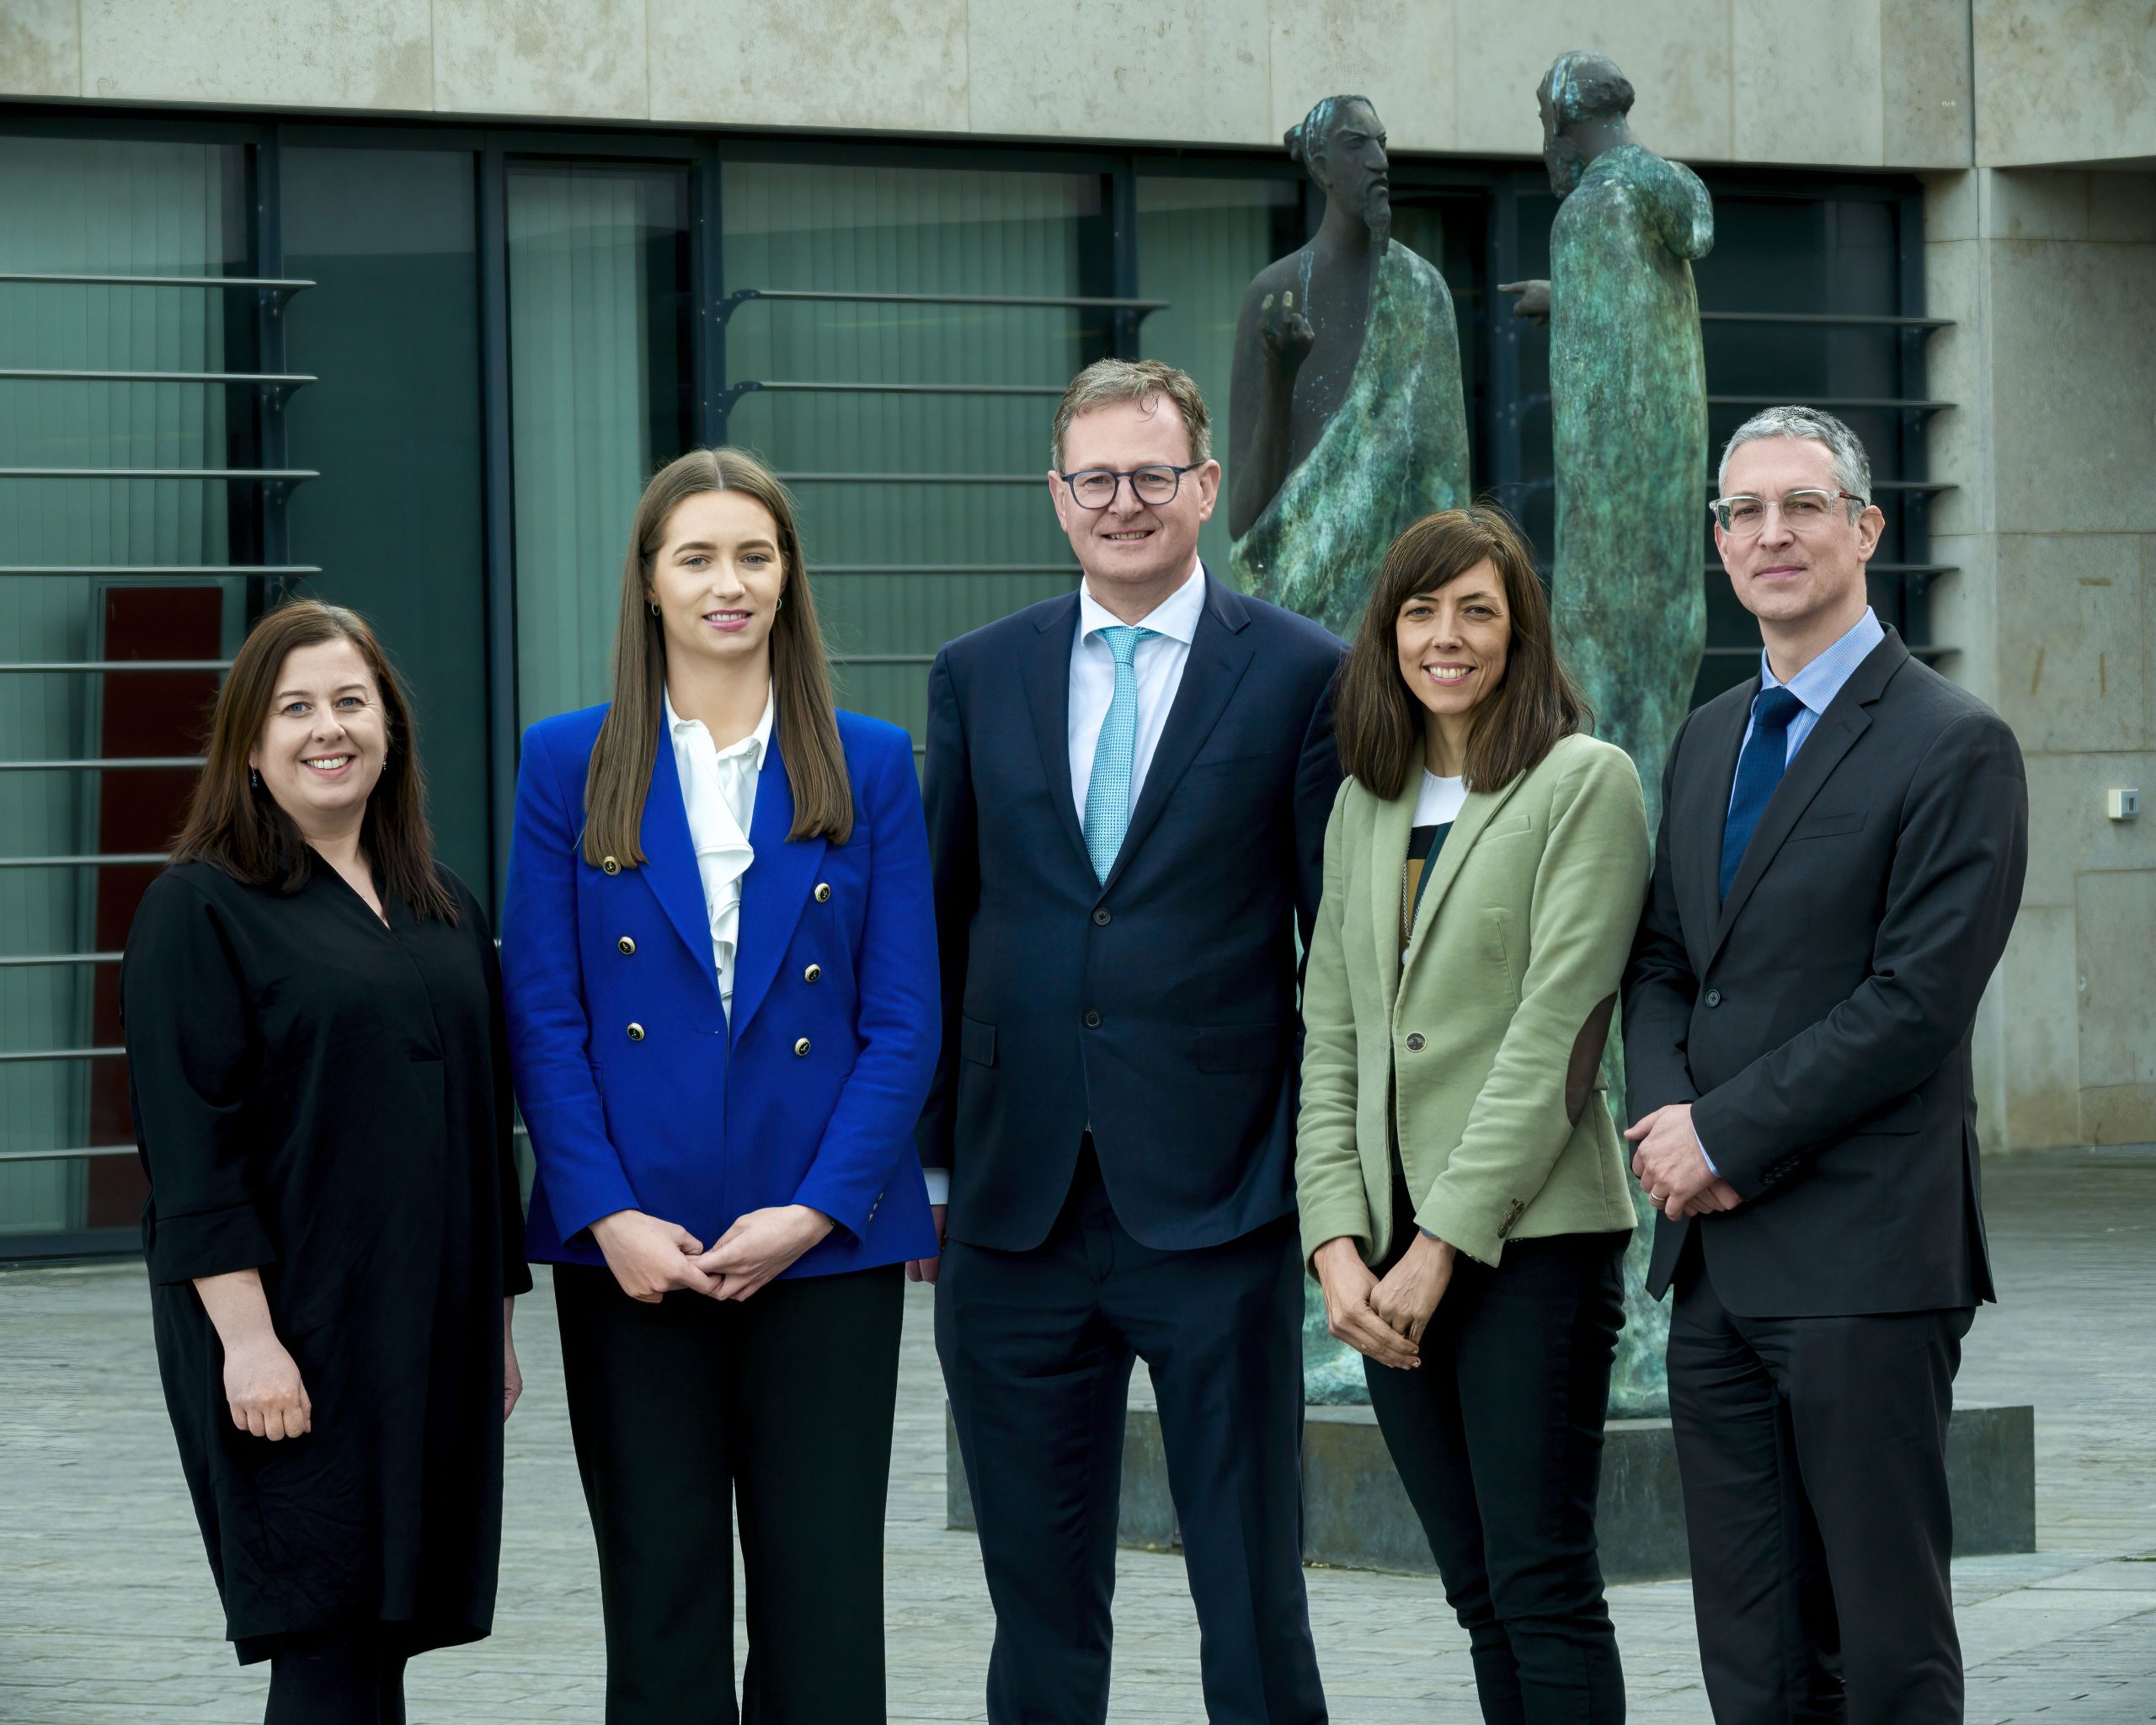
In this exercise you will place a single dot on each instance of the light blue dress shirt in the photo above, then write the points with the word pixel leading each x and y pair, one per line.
pixel 1816 686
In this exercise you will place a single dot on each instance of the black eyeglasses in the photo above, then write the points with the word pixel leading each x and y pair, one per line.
pixel 1095 488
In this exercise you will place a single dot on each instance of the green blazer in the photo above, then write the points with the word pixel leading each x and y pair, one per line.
pixel 1483 1041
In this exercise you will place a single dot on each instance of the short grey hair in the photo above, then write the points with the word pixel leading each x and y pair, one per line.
pixel 1852 468
pixel 1107 381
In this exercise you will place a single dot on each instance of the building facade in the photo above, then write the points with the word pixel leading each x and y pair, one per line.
pixel 397 302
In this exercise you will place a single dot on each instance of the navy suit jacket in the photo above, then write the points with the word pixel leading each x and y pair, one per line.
pixel 1158 1007
pixel 809 1096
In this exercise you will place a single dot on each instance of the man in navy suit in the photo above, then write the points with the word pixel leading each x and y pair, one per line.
pixel 1127 790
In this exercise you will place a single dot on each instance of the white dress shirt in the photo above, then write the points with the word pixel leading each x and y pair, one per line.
pixel 1158 663
pixel 718 790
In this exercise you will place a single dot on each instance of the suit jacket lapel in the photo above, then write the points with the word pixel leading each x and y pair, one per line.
pixel 669 864
pixel 1472 821
pixel 774 889
pixel 1387 856
pixel 1219 656
pixel 1044 670
pixel 1839 726
pixel 1696 823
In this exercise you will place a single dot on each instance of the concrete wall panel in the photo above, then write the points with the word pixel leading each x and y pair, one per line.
pixel 375 54
pixel 41 48
pixel 1677 54
pixel 1399 53
pixel 2064 80
pixel 586 61
pixel 2115 914
pixel 1806 81
pixel 895 65
pixel 1925 74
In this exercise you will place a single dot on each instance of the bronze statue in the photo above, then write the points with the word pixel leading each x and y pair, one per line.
pixel 1346 421
pixel 1628 401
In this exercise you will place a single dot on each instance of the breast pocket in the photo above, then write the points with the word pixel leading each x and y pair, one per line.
pixel 1827 826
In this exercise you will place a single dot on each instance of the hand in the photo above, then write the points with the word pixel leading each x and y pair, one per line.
pixel 1720 1195
pixel 650 1257
pixel 263 1390
pixel 1285 333
pixel 1348 1284
pixel 923 1269
pixel 1533 301
pixel 512 1376
pixel 1669 1163
pixel 1407 1298
pixel 758 1246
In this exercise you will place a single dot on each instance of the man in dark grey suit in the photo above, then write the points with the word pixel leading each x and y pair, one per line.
pixel 1841 855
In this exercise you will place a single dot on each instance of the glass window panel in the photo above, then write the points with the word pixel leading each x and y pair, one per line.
pixel 843 228
pixel 1199 243
pixel 599 394
pixel 391 330
pixel 86 207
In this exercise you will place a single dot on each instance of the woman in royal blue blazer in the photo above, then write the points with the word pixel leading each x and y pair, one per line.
pixel 719 959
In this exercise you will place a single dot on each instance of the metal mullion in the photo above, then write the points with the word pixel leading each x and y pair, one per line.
pixel 114 859
pixel 278 380
pixel 262 476
pixel 31 1056
pixel 264 284
pixel 103 763
pixel 83 1152
pixel 32 961
pixel 100 665
pixel 498 511
pixel 157 572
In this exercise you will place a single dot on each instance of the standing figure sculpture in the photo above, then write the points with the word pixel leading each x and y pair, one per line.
pixel 1628 402
pixel 1346 422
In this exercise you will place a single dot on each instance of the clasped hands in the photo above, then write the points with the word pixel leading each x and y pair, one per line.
pixel 1383 1318
pixel 1671 1168
pixel 650 1257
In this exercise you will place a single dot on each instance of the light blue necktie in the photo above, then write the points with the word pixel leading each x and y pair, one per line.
pixel 1107 793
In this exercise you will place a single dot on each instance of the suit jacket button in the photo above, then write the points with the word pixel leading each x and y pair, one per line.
pixel 611 865
pixel 814 973
pixel 1713 996
pixel 636 1032
pixel 823 892
pixel 1415 1042
pixel 1101 917
pixel 802 1046
pixel 627 945
pixel 1092 1021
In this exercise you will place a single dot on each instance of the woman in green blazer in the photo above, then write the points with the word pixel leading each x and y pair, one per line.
pixel 1465 1201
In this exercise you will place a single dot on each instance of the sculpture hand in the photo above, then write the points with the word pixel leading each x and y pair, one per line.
pixel 1533 301
pixel 1285 333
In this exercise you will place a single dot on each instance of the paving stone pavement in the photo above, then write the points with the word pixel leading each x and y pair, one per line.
pixel 107 1612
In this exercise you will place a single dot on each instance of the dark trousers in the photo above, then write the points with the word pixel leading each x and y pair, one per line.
pixel 1498 1436
pixel 1813 1456
pixel 783 1404
pixel 341 1678
pixel 1037 1350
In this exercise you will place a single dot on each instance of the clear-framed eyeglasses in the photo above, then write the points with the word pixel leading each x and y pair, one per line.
pixel 1095 488
pixel 1743 515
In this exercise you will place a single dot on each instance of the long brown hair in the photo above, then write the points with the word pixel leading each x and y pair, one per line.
pixel 232 825
pixel 627 749
pixel 1378 722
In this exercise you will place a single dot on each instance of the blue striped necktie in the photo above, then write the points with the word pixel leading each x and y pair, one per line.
pixel 1758 770
pixel 1107 792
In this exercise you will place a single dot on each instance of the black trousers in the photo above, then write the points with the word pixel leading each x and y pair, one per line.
pixel 781 1405
pixel 1498 1436
pixel 1038 1348
pixel 349 1678
pixel 1813 1456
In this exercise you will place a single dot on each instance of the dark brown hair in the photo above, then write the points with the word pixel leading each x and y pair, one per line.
pixel 627 749
pixel 241 830
pixel 1379 723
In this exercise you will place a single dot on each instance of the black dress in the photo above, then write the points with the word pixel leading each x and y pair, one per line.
pixel 326 1097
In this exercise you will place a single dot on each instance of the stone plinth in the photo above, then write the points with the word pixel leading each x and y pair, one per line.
pixel 1356 1515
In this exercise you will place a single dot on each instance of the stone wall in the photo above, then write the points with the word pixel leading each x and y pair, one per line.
pixel 2052 279
pixel 1858 83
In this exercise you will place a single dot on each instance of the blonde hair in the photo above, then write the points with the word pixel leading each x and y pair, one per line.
pixel 1107 381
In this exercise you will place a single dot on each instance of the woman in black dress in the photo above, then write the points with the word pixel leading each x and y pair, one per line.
pixel 334 1235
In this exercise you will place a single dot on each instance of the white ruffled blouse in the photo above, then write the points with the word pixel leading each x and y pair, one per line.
pixel 718 790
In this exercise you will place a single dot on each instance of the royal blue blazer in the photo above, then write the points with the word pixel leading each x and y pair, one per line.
pixel 639 1093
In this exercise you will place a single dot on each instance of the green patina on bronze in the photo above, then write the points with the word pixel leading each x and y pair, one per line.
pixel 1628 396
pixel 1395 451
